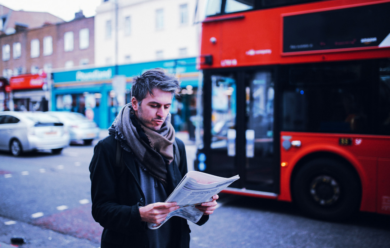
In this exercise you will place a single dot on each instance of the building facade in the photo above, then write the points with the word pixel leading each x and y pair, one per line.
pixel 133 31
pixel 53 46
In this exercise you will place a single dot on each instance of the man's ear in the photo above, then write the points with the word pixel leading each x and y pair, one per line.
pixel 134 103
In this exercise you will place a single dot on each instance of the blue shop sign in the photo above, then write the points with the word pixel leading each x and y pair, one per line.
pixel 92 74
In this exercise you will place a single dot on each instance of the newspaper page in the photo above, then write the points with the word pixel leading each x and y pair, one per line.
pixel 195 188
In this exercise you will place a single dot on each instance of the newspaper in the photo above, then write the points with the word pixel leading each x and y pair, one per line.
pixel 195 188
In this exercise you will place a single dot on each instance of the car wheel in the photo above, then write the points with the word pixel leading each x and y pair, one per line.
pixel 326 189
pixel 88 142
pixel 56 151
pixel 15 148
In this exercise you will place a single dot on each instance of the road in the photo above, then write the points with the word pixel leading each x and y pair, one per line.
pixel 45 198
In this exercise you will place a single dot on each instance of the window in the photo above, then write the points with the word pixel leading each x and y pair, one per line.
pixel 84 62
pixel 159 54
pixel 159 19
pixel 238 5
pixel 6 52
pixel 182 52
pixel 34 69
pixel 128 25
pixel 18 71
pixel 17 50
pixel 183 14
pixel 108 29
pixel 34 48
pixel 47 67
pixel 84 38
pixel 127 58
pixel 68 41
pixel 69 64
pixel 47 45
pixel 213 7
pixel 7 119
pixel 326 98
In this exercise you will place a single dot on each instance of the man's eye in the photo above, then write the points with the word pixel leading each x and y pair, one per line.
pixel 153 106
pixel 166 107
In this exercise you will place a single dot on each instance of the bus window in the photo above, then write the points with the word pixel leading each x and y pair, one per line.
pixel 238 5
pixel 213 7
pixel 259 134
pixel 384 99
pixel 326 98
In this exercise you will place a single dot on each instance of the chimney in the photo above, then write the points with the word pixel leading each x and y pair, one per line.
pixel 79 15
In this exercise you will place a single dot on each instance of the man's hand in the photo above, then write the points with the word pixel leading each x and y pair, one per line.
pixel 157 212
pixel 208 207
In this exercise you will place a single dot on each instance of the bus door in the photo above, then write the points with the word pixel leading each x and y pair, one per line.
pixel 240 127
pixel 223 125
pixel 259 131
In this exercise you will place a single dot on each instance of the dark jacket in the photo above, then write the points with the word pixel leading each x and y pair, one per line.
pixel 117 195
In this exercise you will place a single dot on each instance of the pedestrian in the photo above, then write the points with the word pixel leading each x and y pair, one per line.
pixel 137 166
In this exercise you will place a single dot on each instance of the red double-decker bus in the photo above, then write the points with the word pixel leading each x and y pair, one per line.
pixel 296 100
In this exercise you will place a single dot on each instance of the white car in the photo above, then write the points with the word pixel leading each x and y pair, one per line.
pixel 80 128
pixel 25 131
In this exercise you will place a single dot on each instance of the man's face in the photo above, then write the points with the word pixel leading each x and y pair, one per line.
pixel 153 109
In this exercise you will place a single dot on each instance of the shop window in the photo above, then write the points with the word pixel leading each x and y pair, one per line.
pixel 68 41
pixel 128 25
pixel 6 52
pixel 17 50
pixel 84 38
pixel 159 19
pixel 47 45
pixel 183 14
pixel 34 48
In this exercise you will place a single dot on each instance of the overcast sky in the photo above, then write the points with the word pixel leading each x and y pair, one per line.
pixel 64 9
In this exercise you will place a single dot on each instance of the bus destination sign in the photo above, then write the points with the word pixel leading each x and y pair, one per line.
pixel 357 27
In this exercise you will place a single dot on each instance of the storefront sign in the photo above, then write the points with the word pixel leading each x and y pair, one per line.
pixel 23 82
pixel 93 75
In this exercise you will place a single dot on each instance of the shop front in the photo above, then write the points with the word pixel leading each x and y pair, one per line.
pixel 5 91
pixel 29 93
pixel 91 91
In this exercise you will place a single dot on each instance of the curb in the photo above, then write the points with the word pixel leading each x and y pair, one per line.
pixel 3 245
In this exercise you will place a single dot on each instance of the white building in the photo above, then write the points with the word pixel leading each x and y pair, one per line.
pixel 147 30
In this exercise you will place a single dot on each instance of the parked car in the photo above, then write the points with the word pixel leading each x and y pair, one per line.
pixel 80 128
pixel 21 132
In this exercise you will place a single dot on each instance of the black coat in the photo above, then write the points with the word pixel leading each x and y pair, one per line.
pixel 117 195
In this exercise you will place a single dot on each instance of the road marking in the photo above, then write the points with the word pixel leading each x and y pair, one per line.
pixel 77 163
pixel 62 207
pixel 60 167
pixel 10 222
pixel 84 201
pixel 25 173
pixel 42 170
pixel 37 215
pixel 7 175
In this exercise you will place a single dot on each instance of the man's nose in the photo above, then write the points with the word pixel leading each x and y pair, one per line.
pixel 160 112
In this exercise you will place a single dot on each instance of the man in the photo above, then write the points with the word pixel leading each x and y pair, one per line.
pixel 128 194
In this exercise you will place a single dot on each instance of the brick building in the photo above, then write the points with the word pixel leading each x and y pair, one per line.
pixel 42 49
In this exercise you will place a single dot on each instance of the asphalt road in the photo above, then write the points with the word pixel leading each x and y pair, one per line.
pixel 45 198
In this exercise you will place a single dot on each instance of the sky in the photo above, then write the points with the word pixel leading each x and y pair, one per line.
pixel 64 9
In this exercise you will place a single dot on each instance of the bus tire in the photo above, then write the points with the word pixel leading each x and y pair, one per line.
pixel 326 189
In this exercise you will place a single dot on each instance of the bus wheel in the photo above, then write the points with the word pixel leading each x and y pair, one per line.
pixel 326 189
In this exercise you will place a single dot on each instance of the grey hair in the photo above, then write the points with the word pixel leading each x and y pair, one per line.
pixel 151 79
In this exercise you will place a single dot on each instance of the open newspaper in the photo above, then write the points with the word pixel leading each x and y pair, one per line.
pixel 195 188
